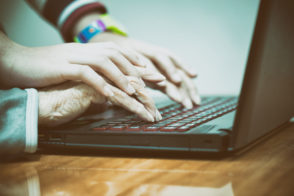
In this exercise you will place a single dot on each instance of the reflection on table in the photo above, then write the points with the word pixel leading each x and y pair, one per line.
pixel 266 169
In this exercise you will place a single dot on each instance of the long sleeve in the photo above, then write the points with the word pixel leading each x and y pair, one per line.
pixel 64 13
pixel 18 121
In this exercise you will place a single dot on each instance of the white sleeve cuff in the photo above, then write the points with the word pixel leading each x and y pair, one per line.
pixel 70 9
pixel 32 121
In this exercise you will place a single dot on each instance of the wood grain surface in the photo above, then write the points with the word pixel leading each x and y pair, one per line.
pixel 267 169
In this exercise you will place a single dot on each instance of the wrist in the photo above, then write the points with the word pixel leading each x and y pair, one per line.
pixel 77 11
pixel 110 37
pixel 9 51
pixel 102 23
pixel 10 57
pixel 42 108
pixel 84 21
pixel 6 45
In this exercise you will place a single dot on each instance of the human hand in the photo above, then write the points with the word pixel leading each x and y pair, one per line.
pixel 179 85
pixel 38 67
pixel 64 102
pixel 141 104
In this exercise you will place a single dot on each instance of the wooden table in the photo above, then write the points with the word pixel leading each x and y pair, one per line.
pixel 267 169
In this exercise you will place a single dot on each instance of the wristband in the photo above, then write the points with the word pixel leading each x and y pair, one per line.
pixel 112 25
pixel 90 31
pixel 105 23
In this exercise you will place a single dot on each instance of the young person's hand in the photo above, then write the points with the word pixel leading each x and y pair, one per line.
pixel 38 67
pixel 64 102
pixel 179 85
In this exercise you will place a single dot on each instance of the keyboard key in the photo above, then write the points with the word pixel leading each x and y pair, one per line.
pixel 99 128
pixel 167 129
pixel 117 128
pixel 175 118
pixel 135 128
pixel 151 128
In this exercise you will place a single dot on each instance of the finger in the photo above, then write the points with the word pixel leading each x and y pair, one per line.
pixel 171 90
pixel 165 65
pixel 161 84
pixel 150 75
pixel 91 94
pixel 179 64
pixel 131 55
pixel 138 60
pixel 124 65
pixel 145 99
pixel 191 88
pixel 129 103
pixel 88 76
pixel 106 67
pixel 186 102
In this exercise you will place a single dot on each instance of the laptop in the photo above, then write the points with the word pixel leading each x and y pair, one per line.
pixel 221 124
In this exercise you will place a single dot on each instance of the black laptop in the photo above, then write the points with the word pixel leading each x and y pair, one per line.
pixel 221 123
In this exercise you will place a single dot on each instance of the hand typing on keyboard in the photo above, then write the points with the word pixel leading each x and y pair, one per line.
pixel 63 103
pixel 142 105
pixel 178 86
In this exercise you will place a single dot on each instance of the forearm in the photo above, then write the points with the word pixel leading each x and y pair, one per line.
pixel 5 45
pixel 8 53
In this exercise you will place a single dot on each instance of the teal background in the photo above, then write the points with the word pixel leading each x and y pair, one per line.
pixel 212 36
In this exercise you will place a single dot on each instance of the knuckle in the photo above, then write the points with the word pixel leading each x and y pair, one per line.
pixel 102 60
pixel 129 53
pixel 84 70
pixel 115 53
pixel 122 79
pixel 124 96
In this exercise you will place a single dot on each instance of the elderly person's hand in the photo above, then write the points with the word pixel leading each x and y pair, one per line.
pixel 64 102
pixel 179 85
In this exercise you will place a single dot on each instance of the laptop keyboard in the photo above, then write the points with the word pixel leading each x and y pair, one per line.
pixel 175 117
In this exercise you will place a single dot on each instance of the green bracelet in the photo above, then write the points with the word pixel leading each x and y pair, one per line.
pixel 112 25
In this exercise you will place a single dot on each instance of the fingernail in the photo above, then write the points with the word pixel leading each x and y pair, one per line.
pixel 142 63
pixel 176 78
pixel 187 103
pixel 162 83
pixel 152 111
pixel 131 89
pixel 197 100
pixel 176 95
pixel 158 116
pixel 155 76
pixel 193 72
pixel 108 91
pixel 142 83
pixel 149 117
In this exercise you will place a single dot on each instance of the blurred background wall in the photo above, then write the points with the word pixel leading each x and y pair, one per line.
pixel 211 35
